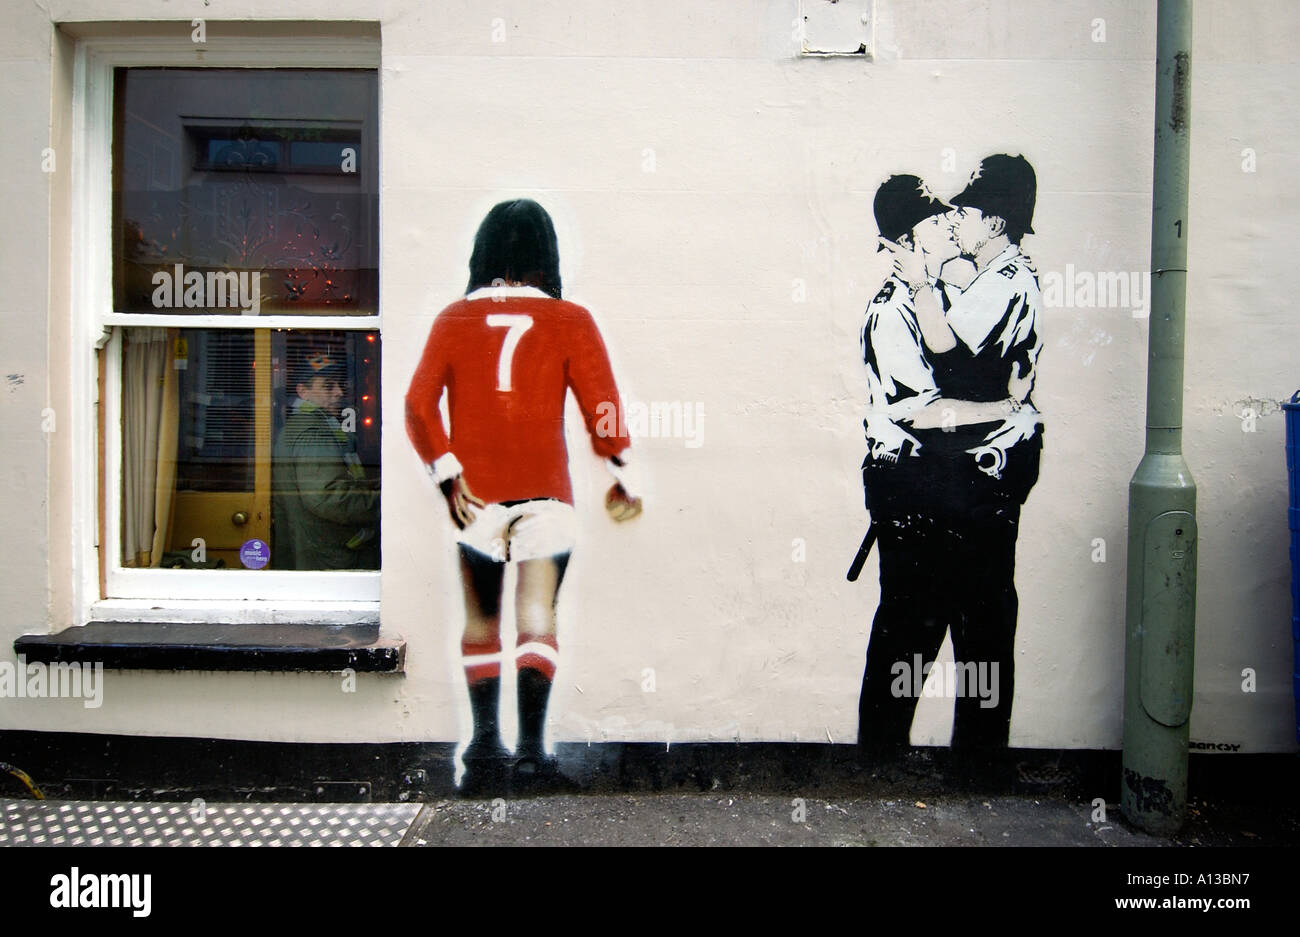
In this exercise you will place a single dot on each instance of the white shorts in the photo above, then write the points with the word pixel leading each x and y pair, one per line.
pixel 526 531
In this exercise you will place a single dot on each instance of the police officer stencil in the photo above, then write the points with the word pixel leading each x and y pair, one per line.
pixel 953 449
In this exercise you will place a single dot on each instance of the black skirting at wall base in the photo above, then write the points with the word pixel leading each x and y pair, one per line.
pixel 122 767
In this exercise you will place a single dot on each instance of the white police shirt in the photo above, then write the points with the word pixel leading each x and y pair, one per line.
pixel 1000 308
pixel 900 380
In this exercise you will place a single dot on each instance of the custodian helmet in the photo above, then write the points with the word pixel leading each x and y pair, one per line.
pixel 1004 186
pixel 901 202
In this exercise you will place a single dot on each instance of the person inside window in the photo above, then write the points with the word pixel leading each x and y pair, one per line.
pixel 325 510
pixel 507 355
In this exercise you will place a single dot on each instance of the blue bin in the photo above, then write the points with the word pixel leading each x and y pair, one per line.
pixel 1292 410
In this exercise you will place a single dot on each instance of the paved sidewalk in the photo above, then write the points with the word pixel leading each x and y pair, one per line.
pixel 738 819
pixel 763 820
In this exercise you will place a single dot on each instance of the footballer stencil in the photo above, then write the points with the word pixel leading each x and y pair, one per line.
pixel 950 343
pixel 507 354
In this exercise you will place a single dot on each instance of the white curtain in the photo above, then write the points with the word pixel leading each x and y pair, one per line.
pixel 149 426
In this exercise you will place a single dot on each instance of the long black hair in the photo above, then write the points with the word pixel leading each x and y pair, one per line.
pixel 516 242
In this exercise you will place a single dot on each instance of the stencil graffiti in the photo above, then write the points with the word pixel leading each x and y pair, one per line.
pixel 951 344
pixel 512 349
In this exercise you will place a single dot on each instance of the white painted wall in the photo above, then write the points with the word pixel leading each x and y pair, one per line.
pixel 765 166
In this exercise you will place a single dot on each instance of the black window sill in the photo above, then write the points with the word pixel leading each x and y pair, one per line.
pixel 177 646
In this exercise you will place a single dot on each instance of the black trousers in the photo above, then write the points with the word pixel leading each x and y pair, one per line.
pixel 943 572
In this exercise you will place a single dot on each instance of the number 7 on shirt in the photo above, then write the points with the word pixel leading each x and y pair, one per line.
pixel 516 325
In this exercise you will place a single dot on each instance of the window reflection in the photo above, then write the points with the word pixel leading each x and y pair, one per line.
pixel 263 174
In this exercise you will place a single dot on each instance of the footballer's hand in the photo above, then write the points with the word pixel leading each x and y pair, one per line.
pixel 620 505
pixel 459 498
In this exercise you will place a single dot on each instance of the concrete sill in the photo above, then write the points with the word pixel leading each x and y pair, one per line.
pixel 193 646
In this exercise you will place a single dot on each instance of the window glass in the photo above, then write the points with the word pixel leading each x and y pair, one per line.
pixel 250 449
pixel 245 191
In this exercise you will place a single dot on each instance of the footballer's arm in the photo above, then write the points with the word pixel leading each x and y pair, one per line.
pixel 427 434
pixel 592 380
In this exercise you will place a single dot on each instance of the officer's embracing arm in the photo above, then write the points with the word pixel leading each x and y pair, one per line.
pixel 909 266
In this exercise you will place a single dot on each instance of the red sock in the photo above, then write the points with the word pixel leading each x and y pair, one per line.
pixel 538 651
pixel 482 661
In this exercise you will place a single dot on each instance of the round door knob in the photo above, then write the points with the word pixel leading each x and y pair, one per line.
pixel 239 518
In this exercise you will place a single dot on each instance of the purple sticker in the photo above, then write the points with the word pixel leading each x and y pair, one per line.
pixel 255 554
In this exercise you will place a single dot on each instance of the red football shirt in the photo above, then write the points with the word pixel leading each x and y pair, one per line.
pixel 507 364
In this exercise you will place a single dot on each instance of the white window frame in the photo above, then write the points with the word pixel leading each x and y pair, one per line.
pixel 153 594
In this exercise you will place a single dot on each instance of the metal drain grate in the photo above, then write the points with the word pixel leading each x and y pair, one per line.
pixel 107 823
